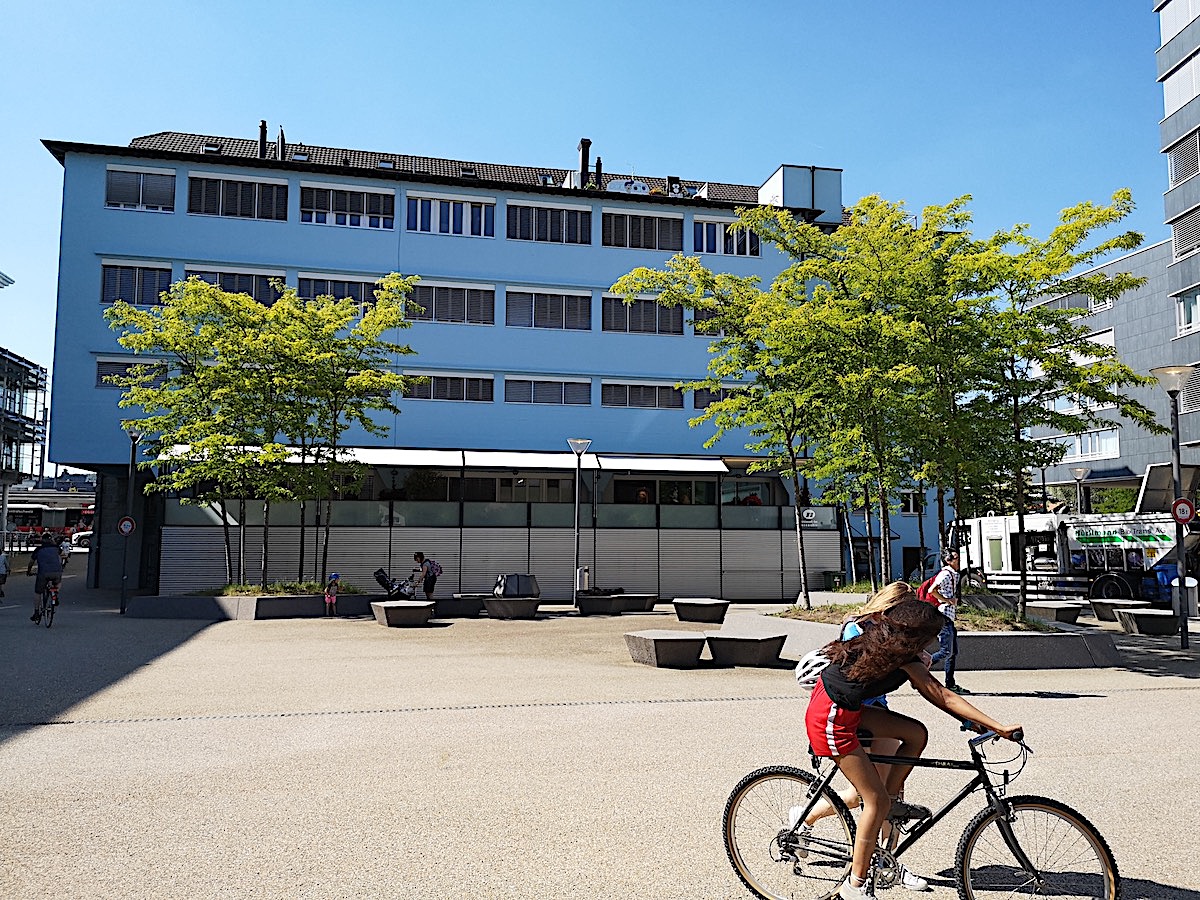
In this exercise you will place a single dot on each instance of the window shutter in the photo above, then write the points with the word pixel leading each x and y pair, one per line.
pixel 670 398
pixel 513 223
pixel 158 191
pixel 422 391
pixel 615 315
pixel 556 226
pixel 548 311
pixel 481 306
pixel 119 283
pixel 450 304
pixel 643 396
pixel 548 392
pixel 577 313
pixel 204 196
pixel 153 283
pixel 614 395
pixel 585 227
pixel 542 218
pixel 577 393
pixel 106 370
pixel 670 234
pixel 479 389
pixel 1189 397
pixel 643 317
pixel 447 388
pixel 670 320
pixel 703 398
pixel 1183 159
pixel 1186 233
pixel 637 237
pixel 123 189
pixel 518 391
pixel 518 309
pixel 606 230
pixel 422 296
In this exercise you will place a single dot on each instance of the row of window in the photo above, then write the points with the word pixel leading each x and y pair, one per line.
pixel 354 208
pixel 142 285
pixel 550 392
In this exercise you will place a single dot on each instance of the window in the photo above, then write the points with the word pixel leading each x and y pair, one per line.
pixel 1187 308
pixel 535 490
pixel 1176 16
pixel 352 208
pixel 442 303
pixel 257 286
pixel 642 232
pixel 641 396
pixel 1189 397
pixel 559 393
pixel 571 312
pixel 549 224
pixel 911 503
pixel 703 315
pixel 1183 160
pixel 138 285
pixel 719 237
pixel 1182 85
pixel 450 387
pixel 1185 234
pixel 106 369
pixel 361 292
pixel 238 199
pixel 687 492
pixel 641 317
pixel 702 398
pixel 475 218
pixel 154 191
pixel 1102 444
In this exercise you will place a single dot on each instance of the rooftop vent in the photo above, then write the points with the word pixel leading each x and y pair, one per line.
pixel 212 147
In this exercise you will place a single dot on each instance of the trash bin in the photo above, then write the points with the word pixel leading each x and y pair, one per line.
pixel 583 578
pixel 1191 595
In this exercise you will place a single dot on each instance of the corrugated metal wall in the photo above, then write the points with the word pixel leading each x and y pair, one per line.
pixel 734 565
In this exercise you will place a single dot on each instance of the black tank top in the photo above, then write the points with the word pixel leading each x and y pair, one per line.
pixel 850 694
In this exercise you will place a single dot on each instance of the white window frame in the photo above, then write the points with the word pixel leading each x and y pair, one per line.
pixel 461 376
pixel 550 291
pixel 1182 326
pixel 142 170
pixel 554 207
pixel 467 200
pixel 449 285
pixel 533 381
pixel 723 227
pixel 254 179
pixel 658 385
pixel 1080 446
pixel 365 216
pixel 157 264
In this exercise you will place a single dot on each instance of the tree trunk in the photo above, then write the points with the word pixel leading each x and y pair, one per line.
pixel 266 540
pixel 941 515
pixel 1019 489
pixel 228 542
pixel 800 539
pixel 325 543
pixel 870 538
pixel 844 509
pixel 885 538
pixel 300 563
pixel 920 529
pixel 241 540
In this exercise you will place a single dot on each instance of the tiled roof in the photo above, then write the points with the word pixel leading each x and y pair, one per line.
pixel 247 148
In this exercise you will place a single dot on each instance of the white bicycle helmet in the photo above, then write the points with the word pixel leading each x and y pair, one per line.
pixel 809 669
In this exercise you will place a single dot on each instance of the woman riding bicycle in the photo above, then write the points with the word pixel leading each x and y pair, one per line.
pixel 883 657
pixel 49 569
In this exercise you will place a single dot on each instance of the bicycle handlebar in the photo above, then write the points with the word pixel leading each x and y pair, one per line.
pixel 1018 737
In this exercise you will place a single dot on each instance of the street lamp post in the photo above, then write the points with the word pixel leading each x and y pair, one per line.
pixel 578 447
pixel 1079 474
pixel 1173 378
pixel 134 437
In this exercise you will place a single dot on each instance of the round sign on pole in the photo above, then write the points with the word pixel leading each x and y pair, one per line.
pixel 1183 510
pixel 126 526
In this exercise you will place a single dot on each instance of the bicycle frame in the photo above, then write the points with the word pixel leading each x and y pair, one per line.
pixel 981 780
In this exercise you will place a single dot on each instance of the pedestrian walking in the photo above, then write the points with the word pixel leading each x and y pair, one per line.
pixel 332 586
pixel 4 568
pixel 944 591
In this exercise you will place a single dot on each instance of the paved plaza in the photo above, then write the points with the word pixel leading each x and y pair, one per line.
pixel 334 758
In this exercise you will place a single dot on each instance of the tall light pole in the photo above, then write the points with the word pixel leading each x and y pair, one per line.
pixel 134 437
pixel 1079 474
pixel 578 447
pixel 1173 378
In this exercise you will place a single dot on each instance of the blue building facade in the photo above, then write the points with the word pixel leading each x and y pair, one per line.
pixel 522 343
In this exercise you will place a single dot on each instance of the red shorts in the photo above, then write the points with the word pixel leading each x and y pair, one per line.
pixel 832 730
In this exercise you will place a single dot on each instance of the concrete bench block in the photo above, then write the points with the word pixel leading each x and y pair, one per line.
pixel 745 649
pixel 600 604
pixel 1106 610
pixel 665 649
pixel 512 607
pixel 460 606
pixel 1054 610
pixel 1148 621
pixel 700 609
pixel 402 613
pixel 638 602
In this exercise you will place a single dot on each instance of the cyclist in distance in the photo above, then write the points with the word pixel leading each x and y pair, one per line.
pixel 49 569
pixel 883 657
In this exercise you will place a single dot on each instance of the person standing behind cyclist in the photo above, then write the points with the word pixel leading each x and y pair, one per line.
pixel 428 579
pixel 895 593
pixel 49 571
pixel 877 662
pixel 944 593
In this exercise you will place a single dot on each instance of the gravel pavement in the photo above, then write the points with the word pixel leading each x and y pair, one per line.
pixel 333 758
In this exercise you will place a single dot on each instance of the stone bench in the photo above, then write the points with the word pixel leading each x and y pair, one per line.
pixel 600 604
pixel 665 649
pixel 1106 610
pixel 1148 621
pixel 402 613
pixel 745 649
pixel 700 609
pixel 1054 610
pixel 512 607
pixel 637 602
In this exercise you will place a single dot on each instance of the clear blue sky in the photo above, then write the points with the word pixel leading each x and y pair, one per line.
pixel 1029 106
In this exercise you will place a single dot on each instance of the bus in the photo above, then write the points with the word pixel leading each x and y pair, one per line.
pixel 27 521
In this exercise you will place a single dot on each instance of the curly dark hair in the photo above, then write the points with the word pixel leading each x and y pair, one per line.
pixel 889 639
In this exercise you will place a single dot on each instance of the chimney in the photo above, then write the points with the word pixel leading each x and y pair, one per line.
pixel 585 149
pixel 282 145
pixel 599 174
pixel 262 138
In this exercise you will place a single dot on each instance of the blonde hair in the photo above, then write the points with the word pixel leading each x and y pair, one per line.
pixel 887 597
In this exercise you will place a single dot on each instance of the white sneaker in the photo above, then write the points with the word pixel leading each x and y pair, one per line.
pixel 911 880
pixel 801 832
pixel 849 892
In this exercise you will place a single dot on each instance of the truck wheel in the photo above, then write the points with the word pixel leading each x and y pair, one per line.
pixel 1110 587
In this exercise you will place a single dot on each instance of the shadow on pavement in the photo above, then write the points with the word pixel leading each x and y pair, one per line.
pixel 89 648
pixel 1161 656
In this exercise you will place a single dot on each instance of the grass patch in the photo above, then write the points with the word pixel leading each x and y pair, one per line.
pixel 969 618
pixel 276 588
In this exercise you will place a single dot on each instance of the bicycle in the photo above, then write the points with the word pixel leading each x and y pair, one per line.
pixel 48 604
pixel 1015 845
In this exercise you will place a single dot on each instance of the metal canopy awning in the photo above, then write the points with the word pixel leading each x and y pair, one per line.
pixel 402 458
pixel 1158 487
pixel 668 464
pixel 502 459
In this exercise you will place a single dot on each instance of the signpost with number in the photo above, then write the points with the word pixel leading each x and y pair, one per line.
pixel 1183 510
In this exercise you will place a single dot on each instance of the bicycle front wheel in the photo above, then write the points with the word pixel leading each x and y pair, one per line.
pixel 1070 857
pixel 770 857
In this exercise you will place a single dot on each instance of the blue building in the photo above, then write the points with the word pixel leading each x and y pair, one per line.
pixel 521 341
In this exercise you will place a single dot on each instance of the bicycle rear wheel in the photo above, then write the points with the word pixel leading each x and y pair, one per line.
pixel 770 858
pixel 47 609
pixel 1070 856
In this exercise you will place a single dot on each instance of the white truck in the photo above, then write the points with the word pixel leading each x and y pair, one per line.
pixel 1072 556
